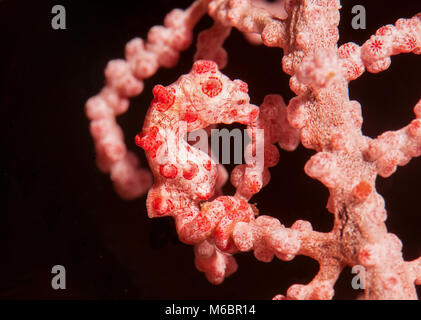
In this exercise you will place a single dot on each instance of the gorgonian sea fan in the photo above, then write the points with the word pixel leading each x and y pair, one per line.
pixel 321 117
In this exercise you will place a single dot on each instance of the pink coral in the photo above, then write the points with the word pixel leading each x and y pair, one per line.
pixel 187 182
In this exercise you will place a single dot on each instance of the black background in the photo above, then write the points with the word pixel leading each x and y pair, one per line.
pixel 57 208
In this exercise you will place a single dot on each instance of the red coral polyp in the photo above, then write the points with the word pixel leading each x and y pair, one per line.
pixel 212 87
pixel 190 115
pixel 163 98
pixel 362 190
pixel 208 165
pixel 162 206
pixel 149 141
pixel 204 66
pixel 242 86
pixel 190 170
pixel 168 171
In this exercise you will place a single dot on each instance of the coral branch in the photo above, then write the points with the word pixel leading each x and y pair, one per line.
pixel 276 9
pixel 249 18
pixel 394 148
pixel 209 44
pixel 215 264
pixel 403 37
pixel 321 287
pixel 375 53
